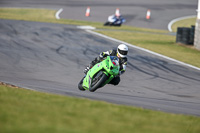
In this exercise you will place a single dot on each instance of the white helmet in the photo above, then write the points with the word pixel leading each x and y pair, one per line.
pixel 122 50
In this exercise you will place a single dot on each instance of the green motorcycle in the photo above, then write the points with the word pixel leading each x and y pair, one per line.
pixel 100 74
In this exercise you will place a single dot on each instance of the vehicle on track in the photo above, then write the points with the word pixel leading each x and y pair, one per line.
pixel 114 20
pixel 100 74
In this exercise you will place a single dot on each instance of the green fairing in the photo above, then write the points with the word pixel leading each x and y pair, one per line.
pixel 106 66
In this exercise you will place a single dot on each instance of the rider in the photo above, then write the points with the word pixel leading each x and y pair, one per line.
pixel 121 53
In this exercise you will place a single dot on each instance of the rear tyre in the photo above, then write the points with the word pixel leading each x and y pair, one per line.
pixel 107 23
pixel 80 85
pixel 100 80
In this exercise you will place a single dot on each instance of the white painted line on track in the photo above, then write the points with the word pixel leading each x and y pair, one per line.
pixel 58 13
pixel 86 27
pixel 178 19
pixel 142 49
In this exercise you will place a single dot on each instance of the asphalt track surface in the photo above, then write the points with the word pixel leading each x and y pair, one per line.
pixel 51 58
pixel 134 11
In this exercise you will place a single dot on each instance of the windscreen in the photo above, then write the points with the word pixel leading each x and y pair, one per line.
pixel 115 60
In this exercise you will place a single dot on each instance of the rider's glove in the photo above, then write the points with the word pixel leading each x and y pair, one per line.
pixel 101 55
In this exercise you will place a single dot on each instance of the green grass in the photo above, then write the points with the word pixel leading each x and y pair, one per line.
pixel 33 112
pixel 45 15
pixel 184 23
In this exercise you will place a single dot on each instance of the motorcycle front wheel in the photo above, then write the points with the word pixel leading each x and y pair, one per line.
pixel 80 85
pixel 98 81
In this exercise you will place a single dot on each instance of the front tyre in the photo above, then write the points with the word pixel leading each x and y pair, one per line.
pixel 80 85
pixel 101 80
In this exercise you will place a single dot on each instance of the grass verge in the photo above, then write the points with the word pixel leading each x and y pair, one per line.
pixel 29 111
pixel 184 23
pixel 45 15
